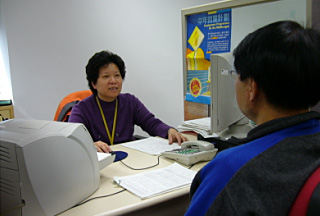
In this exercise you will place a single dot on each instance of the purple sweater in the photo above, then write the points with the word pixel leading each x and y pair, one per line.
pixel 130 112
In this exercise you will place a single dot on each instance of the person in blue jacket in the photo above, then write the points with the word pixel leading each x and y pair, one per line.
pixel 278 81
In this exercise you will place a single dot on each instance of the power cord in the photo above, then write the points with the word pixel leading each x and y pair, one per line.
pixel 144 167
pixel 79 204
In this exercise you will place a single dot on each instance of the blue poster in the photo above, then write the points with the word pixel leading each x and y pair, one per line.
pixel 207 33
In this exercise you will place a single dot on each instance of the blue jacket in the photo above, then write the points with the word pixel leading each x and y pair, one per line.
pixel 263 175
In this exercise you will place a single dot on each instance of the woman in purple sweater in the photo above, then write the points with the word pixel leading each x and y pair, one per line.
pixel 110 116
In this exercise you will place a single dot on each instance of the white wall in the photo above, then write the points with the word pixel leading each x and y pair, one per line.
pixel 5 84
pixel 50 43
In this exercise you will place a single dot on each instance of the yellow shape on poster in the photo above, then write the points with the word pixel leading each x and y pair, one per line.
pixel 196 38
pixel 196 60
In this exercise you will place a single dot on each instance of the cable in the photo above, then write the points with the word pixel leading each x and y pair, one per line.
pixel 191 166
pixel 5 212
pixel 144 167
pixel 149 166
pixel 98 197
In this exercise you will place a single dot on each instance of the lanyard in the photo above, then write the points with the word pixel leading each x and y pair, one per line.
pixel 111 138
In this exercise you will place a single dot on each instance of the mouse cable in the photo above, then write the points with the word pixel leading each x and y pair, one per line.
pixel 191 166
pixel 144 167
pixel 148 166
pixel 79 204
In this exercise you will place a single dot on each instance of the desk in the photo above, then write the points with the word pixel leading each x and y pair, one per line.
pixel 125 203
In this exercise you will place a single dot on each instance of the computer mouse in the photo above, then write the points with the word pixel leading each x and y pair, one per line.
pixel 120 155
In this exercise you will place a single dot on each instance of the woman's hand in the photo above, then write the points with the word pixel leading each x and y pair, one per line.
pixel 102 147
pixel 175 136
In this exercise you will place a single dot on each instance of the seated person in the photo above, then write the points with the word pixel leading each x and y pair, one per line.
pixel 110 116
pixel 278 76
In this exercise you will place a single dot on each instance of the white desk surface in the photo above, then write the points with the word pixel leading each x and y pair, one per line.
pixel 125 202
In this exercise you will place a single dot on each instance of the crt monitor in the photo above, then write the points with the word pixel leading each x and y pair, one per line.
pixel 46 166
pixel 226 118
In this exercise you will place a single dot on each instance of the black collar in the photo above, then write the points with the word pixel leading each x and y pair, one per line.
pixel 275 125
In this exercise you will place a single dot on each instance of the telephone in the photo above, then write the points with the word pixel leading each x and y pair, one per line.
pixel 192 152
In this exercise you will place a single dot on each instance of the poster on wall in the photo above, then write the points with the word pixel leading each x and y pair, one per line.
pixel 207 33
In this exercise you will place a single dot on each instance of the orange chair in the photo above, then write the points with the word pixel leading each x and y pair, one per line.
pixel 66 104
pixel 308 200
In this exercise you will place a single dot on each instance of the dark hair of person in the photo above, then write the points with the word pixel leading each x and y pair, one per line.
pixel 284 59
pixel 99 60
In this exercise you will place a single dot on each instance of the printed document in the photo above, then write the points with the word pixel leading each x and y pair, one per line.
pixel 156 182
pixel 152 145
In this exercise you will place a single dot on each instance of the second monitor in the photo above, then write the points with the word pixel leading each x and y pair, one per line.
pixel 226 118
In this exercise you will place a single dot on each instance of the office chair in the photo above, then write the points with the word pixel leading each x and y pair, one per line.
pixel 307 203
pixel 66 104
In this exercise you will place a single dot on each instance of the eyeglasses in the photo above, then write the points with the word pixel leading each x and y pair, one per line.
pixel 232 73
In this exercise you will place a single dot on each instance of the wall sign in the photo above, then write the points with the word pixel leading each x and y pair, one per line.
pixel 207 33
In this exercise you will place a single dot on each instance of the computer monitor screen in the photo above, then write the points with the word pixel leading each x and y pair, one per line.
pixel 226 118
pixel 46 166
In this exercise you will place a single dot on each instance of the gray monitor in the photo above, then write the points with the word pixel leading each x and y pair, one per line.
pixel 226 118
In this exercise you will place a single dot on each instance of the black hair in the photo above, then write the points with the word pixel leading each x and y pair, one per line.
pixel 99 60
pixel 284 59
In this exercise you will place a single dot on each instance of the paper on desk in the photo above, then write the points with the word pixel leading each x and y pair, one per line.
pixel 152 145
pixel 201 126
pixel 156 182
